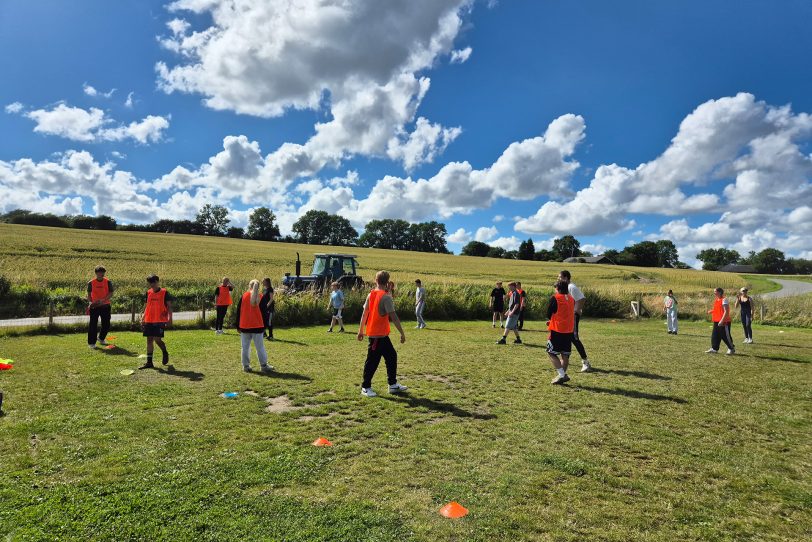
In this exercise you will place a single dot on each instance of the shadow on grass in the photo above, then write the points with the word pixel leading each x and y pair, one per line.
pixel 170 370
pixel 633 394
pixel 638 374
pixel 118 351
pixel 773 358
pixel 785 345
pixel 432 329
pixel 283 376
pixel 288 341
pixel 437 406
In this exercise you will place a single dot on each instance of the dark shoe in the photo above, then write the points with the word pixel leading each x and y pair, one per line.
pixel 147 365
pixel 517 341
pixel 165 358
pixel 267 369
pixel 501 341
pixel 341 330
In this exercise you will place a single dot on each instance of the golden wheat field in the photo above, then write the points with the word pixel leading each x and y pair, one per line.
pixel 49 258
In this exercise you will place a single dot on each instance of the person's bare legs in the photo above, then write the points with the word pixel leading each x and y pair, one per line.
pixel 555 361
pixel 565 363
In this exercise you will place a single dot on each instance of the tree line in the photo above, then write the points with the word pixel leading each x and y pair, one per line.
pixel 770 260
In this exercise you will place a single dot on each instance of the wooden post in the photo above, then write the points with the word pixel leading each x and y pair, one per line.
pixel 203 304
pixel 50 314
pixel 762 312
pixel 132 311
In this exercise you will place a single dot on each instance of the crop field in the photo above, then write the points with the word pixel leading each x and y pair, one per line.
pixel 54 258
pixel 660 443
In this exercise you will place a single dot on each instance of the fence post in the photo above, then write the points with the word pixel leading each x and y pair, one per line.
pixel 50 314
pixel 132 311
pixel 762 312
pixel 203 305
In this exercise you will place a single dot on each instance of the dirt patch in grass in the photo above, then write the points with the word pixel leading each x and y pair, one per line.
pixel 311 418
pixel 448 380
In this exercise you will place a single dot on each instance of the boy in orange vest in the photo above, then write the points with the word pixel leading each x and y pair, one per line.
pixel 561 312
pixel 379 310
pixel 99 292
pixel 720 314
pixel 222 301
pixel 157 316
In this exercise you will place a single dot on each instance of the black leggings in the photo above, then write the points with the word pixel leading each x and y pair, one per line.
pixel 521 320
pixel 380 347
pixel 747 324
pixel 721 333
pixel 576 339
pixel 103 312
pixel 269 324
pixel 221 315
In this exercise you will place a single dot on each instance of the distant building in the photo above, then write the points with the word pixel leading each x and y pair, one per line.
pixel 738 268
pixel 589 259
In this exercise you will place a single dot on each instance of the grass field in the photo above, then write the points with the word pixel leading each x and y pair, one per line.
pixel 661 443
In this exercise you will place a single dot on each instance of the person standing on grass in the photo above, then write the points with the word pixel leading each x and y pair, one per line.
pixel 745 303
pixel 267 304
pixel 561 312
pixel 670 309
pixel 379 311
pixel 512 315
pixel 99 293
pixel 720 314
pixel 497 303
pixel 419 304
pixel 222 301
pixel 337 305
pixel 523 300
pixel 157 317
pixel 251 326
pixel 580 299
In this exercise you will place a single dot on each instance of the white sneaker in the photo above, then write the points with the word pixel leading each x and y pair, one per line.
pixel 368 392
pixel 711 351
pixel 417 326
pixel 397 387
pixel 586 367
pixel 92 346
pixel 730 352
pixel 103 343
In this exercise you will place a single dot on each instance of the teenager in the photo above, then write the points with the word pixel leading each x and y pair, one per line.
pixel 497 303
pixel 157 316
pixel 379 311
pixel 222 301
pixel 720 314
pixel 745 304
pixel 561 314
pixel 523 300
pixel 336 304
pixel 251 326
pixel 99 293
pixel 512 315
pixel 580 299
pixel 419 304
pixel 670 309
pixel 267 304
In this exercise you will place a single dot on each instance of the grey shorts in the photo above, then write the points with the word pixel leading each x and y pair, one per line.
pixel 512 322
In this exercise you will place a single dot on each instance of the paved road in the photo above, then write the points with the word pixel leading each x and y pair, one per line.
pixel 789 288
pixel 43 321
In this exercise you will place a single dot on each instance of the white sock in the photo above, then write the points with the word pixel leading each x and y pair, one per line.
pixel 561 372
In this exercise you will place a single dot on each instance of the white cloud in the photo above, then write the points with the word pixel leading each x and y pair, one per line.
pixel 458 56
pixel 460 236
pixel 129 102
pixel 498 218
pixel 507 243
pixel 14 107
pixel 422 145
pixel 484 234
pixel 91 91
pixel 92 125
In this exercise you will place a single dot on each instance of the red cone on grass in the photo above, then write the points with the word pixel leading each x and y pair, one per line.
pixel 321 441
pixel 453 510
pixel 109 347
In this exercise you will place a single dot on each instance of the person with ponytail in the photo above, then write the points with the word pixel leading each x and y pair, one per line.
pixel 251 325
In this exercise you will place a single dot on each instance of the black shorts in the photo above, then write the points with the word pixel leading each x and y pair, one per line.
pixel 499 306
pixel 154 330
pixel 337 312
pixel 559 343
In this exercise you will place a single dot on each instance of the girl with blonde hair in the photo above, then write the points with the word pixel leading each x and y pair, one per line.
pixel 251 326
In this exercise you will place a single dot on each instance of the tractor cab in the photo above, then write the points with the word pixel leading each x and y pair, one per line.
pixel 326 269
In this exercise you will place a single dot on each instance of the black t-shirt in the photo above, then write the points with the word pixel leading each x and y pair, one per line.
pixel 498 295
pixel 264 306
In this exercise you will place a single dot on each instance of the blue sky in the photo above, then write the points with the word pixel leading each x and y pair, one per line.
pixel 429 109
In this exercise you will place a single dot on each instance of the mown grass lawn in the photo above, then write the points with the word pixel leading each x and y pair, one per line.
pixel 662 442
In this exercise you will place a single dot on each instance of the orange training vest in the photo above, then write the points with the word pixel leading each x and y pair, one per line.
pixel 563 321
pixel 250 316
pixel 377 325
pixel 223 296
pixel 719 310
pixel 99 290
pixel 156 311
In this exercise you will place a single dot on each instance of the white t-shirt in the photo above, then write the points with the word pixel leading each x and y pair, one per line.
pixel 575 292
pixel 669 302
pixel 420 295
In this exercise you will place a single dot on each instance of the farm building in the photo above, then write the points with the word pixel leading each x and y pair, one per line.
pixel 589 259
pixel 738 268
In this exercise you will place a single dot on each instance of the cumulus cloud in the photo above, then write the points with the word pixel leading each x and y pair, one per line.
pixel 129 102
pixel 458 56
pixel 91 91
pixel 93 125
pixel 14 107
pixel 459 236
pixel 485 234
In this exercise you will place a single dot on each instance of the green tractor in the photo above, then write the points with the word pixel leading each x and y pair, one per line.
pixel 327 268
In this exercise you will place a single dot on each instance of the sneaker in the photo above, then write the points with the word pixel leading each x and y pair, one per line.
pixel 247 369
pixel 517 341
pixel 165 358
pixel 397 387
pixel 267 369
pixel 417 326
pixel 711 351
pixel 103 343
pixel 494 326
pixel 330 330
pixel 501 341
pixel 368 392
pixel 730 351
pixel 147 365
pixel 560 379
pixel 585 367
pixel 92 346
pixel 341 330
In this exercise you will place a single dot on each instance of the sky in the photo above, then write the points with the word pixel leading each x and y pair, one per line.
pixel 615 122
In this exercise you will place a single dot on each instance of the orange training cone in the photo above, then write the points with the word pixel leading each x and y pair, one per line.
pixel 321 441
pixel 112 337
pixel 453 510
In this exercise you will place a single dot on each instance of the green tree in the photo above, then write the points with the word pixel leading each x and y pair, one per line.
pixel 386 233
pixel 235 232
pixel 262 225
pixel 476 248
pixel 496 252
pixel 714 258
pixel 770 260
pixel 527 250
pixel 312 228
pixel 428 237
pixel 667 254
pixel 213 219
pixel 544 255
pixel 644 254
pixel 341 232
pixel 566 247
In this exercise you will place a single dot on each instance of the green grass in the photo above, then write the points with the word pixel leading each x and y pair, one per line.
pixel 662 443
pixel 761 284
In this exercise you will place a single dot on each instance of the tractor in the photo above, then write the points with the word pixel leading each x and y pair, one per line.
pixel 327 268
